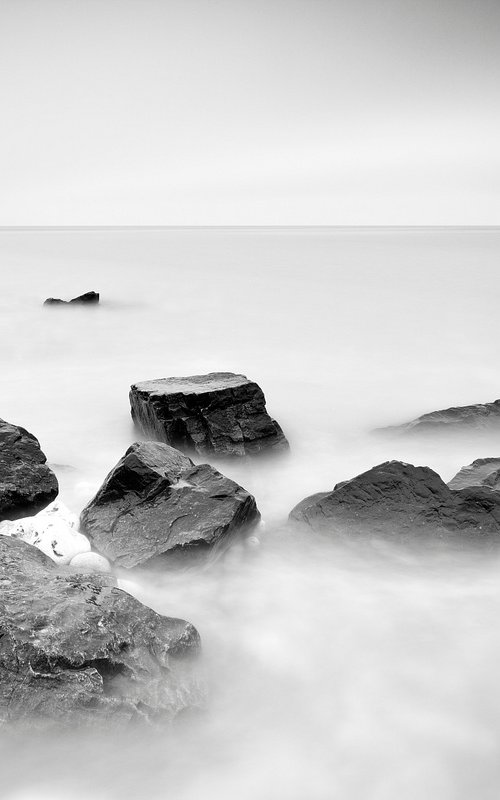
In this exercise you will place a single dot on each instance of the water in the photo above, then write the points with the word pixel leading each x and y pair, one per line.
pixel 333 672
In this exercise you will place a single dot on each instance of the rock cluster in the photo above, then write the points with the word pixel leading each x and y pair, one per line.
pixel 156 506
pixel 76 650
pixel 27 484
pixel 220 414
pixel 398 499
pixel 87 299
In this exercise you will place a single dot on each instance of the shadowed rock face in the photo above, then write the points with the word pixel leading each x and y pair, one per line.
pixel 397 499
pixel 482 472
pixel 219 414
pixel 87 299
pixel 26 483
pixel 76 650
pixel 479 417
pixel 157 506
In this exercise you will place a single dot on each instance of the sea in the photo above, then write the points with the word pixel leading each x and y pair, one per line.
pixel 367 673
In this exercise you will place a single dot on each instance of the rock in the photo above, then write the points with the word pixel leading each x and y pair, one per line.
pixel 482 472
pixel 397 499
pixel 90 562
pixel 75 650
pixel 157 506
pixel 89 298
pixel 53 531
pixel 479 417
pixel 27 484
pixel 219 414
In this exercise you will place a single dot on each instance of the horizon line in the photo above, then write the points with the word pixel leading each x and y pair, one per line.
pixel 6 228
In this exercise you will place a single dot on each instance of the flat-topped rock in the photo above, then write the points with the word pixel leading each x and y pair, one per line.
pixel 482 472
pixel 157 508
pixel 478 417
pixel 75 650
pixel 220 414
pixel 27 484
pixel 399 500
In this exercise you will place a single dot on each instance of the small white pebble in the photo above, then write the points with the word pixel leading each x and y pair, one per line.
pixel 90 562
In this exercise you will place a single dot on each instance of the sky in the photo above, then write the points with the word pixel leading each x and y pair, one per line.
pixel 249 112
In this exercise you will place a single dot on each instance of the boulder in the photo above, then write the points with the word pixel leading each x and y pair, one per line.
pixel 220 414
pixel 27 484
pixel 479 417
pixel 76 650
pixel 157 506
pixel 89 298
pixel 482 472
pixel 397 499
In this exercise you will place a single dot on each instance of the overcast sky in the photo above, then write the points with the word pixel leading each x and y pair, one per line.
pixel 179 112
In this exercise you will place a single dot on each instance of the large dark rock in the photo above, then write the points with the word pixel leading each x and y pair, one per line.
pixel 76 650
pixel 157 506
pixel 477 418
pixel 397 499
pixel 26 483
pixel 482 472
pixel 89 298
pixel 219 414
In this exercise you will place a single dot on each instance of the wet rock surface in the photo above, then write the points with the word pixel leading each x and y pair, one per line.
pixel 157 507
pixel 482 472
pixel 74 649
pixel 27 484
pixel 399 500
pixel 89 298
pixel 221 414
pixel 478 417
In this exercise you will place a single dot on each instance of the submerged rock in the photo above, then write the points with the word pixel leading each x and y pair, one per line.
pixel 482 472
pixel 219 414
pixel 156 505
pixel 75 649
pixel 54 531
pixel 89 298
pixel 397 499
pixel 479 417
pixel 27 484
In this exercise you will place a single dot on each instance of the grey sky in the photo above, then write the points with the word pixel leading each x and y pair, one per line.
pixel 249 112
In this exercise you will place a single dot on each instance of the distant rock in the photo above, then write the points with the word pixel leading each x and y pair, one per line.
pixel 75 650
pixel 27 484
pixel 400 500
pixel 220 414
pixel 157 506
pixel 482 472
pixel 479 417
pixel 89 298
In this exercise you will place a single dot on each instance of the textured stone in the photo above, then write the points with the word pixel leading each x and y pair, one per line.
pixel 74 649
pixel 27 484
pixel 156 505
pixel 397 499
pixel 482 472
pixel 219 414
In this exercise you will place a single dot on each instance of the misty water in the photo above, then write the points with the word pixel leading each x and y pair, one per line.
pixel 333 671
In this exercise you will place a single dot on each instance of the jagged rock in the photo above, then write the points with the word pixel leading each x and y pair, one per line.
pixel 89 298
pixel 397 499
pixel 27 484
pixel 482 472
pixel 74 649
pixel 219 414
pixel 479 417
pixel 156 505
